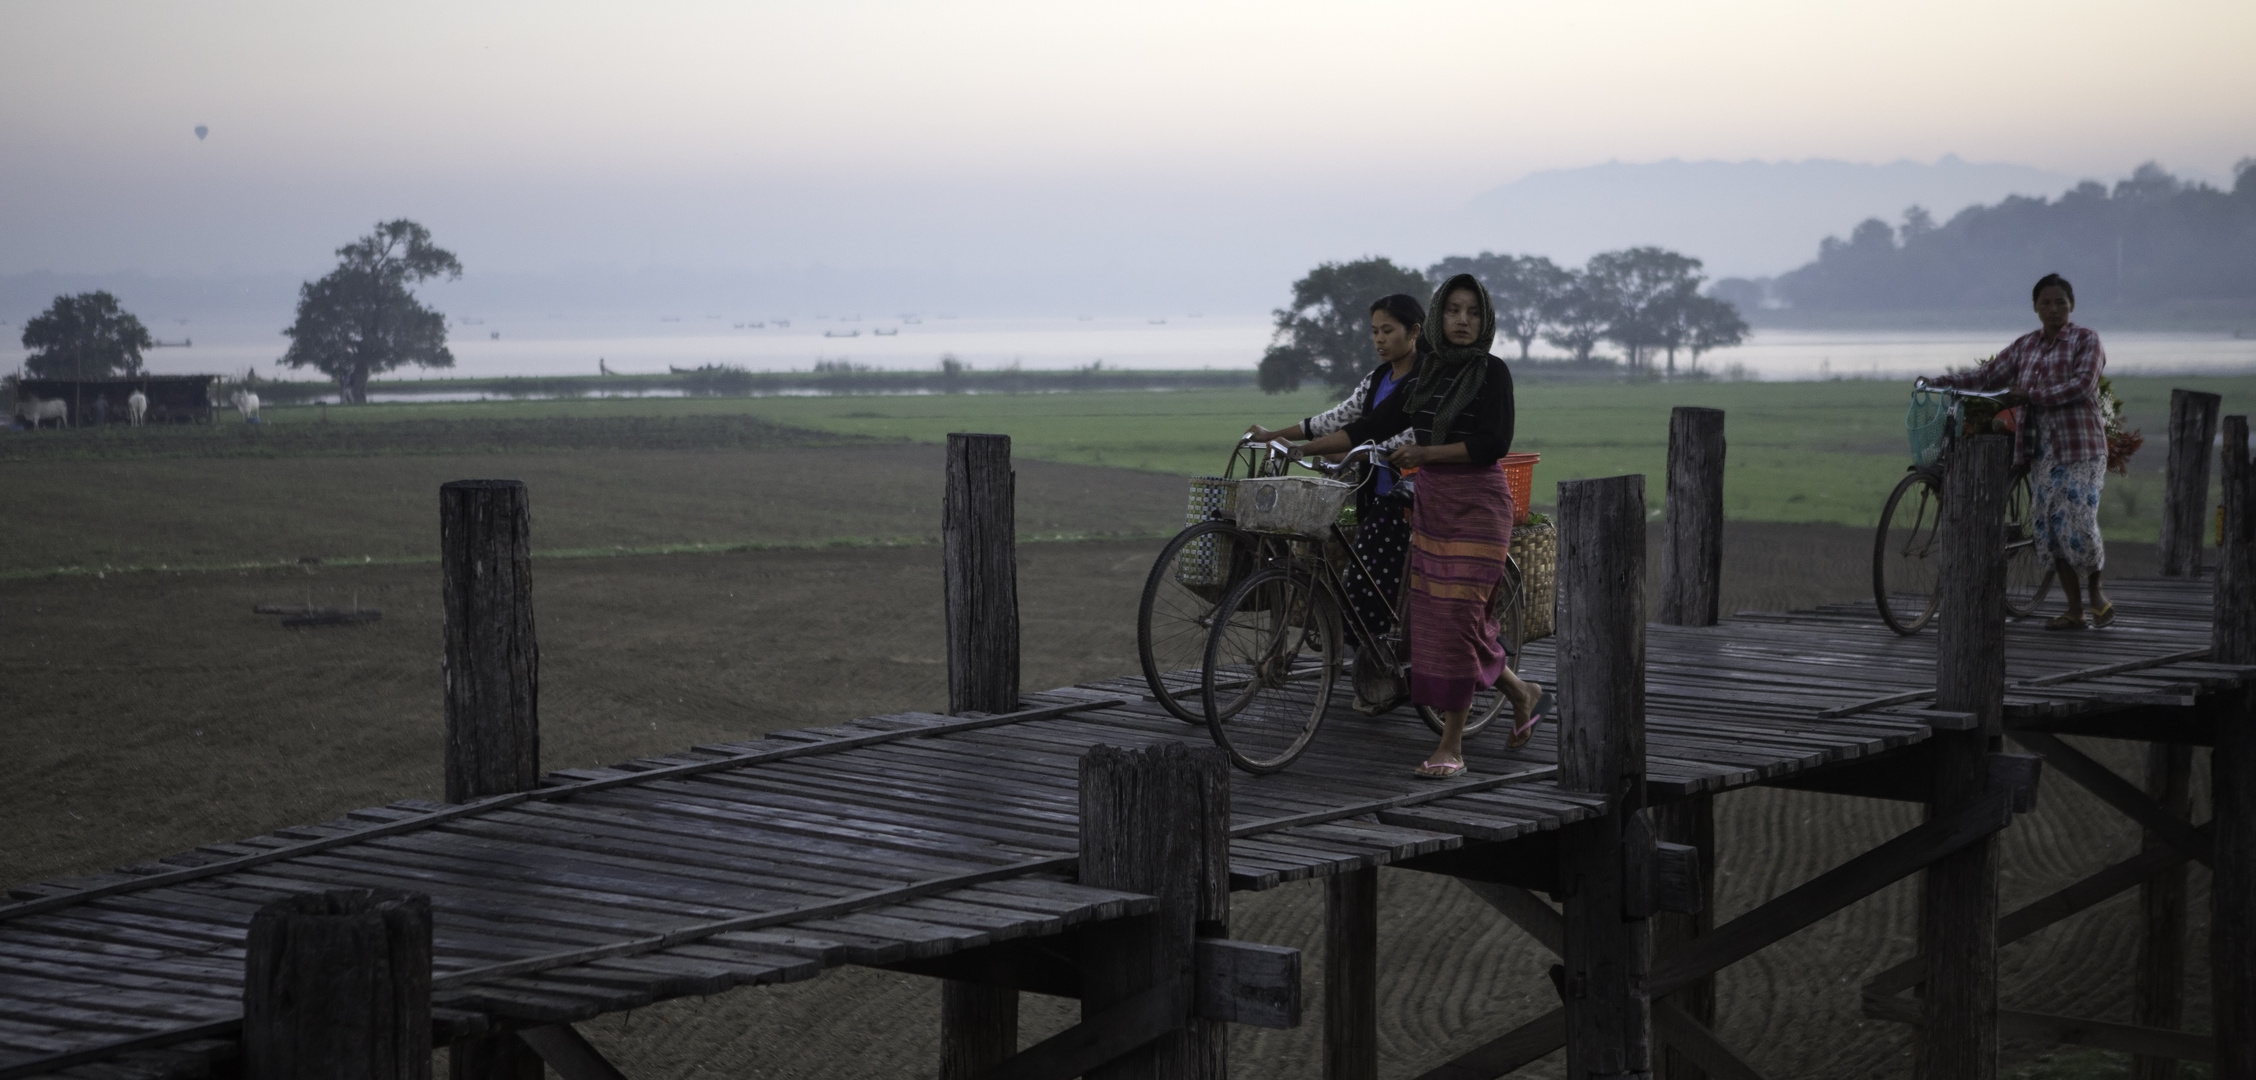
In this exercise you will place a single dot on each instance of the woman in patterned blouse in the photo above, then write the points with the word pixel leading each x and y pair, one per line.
pixel 2055 372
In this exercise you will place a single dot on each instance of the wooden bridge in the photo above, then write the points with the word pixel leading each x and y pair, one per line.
pixel 1007 851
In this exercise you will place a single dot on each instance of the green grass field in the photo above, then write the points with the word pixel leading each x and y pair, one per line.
pixel 1799 452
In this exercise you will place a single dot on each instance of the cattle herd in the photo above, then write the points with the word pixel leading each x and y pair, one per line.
pixel 34 412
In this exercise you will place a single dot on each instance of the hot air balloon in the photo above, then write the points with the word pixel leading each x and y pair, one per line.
pixel 201 131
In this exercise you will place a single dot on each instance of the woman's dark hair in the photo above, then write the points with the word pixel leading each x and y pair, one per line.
pixel 1406 310
pixel 2050 280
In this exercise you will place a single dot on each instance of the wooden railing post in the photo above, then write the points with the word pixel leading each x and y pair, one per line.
pixel 338 985
pixel 1351 975
pixel 1157 822
pixel 2232 886
pixel 1601 696
pixel 2158 990
pixel 980 549
pixel 979 1023
pixel 1958 1033
pixel 492 687
pixel 1692 542
pixel 2185 492
pixel 1691 590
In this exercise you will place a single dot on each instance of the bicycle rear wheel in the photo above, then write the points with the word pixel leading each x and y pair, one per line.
pixel 1509 605
pixel 1192 575
pixel 2028 574
pixel 1907 555
pixel 1271 663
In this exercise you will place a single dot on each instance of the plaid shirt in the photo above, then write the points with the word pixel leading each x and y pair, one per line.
pixel 2061 380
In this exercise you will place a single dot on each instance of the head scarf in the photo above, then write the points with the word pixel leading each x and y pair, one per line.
pixel 1452 374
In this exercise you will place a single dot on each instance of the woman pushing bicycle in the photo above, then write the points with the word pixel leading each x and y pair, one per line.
pixel 1459 409
pixel 2054 371
pixel 1382 509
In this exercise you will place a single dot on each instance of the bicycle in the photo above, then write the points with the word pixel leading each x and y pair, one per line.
pixel 1906 573
pixel 1276 649
pixel 1196 569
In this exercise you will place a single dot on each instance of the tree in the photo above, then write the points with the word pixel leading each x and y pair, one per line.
pixel 1326 334
pixel 361 319
pixel 1578 317
pixel 87 336
pixel 1711 322
pixel 1524 288
pixel 1643 286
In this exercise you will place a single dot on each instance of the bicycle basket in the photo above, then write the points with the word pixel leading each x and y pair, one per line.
pixel 1924 424
pixel 1211 497
pixel 1294 505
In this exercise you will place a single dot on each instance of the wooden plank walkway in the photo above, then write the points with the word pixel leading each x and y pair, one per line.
pixel 912 836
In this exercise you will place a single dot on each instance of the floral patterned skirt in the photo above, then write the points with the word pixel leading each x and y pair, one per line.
pixel 2064 511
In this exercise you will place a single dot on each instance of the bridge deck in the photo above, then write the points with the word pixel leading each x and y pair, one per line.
pixel 912 836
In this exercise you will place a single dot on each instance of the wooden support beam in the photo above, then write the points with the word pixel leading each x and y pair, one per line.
pixel 1246 982
pixel 1105 1036
pixel 1702 1053
pixel 979 1021
pixel 1905 774
pixel 2120 794
pixel 1692 539
pixel 2158 988
pixel 1791 911
pixel 2068 1030
pixel 2185 492
pixel 1960 903
pixel 1689 822
pixel 1601 697
pixel 337 984
pixel 569 1053
pixel 1156 821
pixel 1514 1049
pixel 1351 975
pixel 1526 910
pixel 492 687
pixel 2232 770
pixel 1529 862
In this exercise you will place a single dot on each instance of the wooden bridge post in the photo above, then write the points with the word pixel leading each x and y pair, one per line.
pixel 1351 975
pixel 978 535
pixel 2185 493
pixel 338 985
pixel 2232 888
pixel 979 1023
pixel 492 687
pixel 1958 1034
pixel 1601 697
pixel 1157 822
pixel 2158 989
pixel 1691 590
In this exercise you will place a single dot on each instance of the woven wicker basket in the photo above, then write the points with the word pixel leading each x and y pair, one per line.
pixel 1536 549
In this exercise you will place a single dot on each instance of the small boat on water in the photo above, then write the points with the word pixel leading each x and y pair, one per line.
pixel 881 332
pixel 1158 322
pixel 784 323
pixel 849 333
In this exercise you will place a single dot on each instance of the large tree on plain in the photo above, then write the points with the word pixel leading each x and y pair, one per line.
pixel 1648 287
pixel 1578 317
pixel 361 319
pixel 1326 334
pixel 1524 288
pixel 86 336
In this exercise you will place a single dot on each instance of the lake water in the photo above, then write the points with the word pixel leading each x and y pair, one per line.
pixel 559 346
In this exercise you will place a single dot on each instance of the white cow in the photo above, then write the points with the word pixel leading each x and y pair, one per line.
pixel 136 407
pixel 39 412
pixel 247 403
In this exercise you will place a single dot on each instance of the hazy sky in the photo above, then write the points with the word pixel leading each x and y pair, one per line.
pixel 1050 137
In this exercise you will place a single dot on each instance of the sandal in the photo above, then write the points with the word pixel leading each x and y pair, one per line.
pixel 2103 615
pixel 2065 621
pixel 1439 770
pixel 1522 732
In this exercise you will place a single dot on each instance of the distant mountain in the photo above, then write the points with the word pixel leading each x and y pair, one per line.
pixel 1743 218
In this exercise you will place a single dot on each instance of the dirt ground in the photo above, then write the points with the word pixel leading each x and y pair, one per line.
pixel 150 712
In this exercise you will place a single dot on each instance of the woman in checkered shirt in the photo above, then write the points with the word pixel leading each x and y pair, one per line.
pixel 2054 371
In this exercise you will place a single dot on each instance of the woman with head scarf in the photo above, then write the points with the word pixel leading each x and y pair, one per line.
pixel 1382 510
pixel 1460 413
pixel 2054 370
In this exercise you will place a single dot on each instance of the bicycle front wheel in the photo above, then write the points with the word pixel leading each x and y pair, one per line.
pixel 1192 575
pixel 1509 606
pixel 1271 663
pixel 2028 574
pixel 1907 553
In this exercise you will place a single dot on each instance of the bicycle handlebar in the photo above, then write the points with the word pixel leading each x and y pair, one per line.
pixel 1922 384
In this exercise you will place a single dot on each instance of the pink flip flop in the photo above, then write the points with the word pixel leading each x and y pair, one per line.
pixel 1521 733
pixel 1448 770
